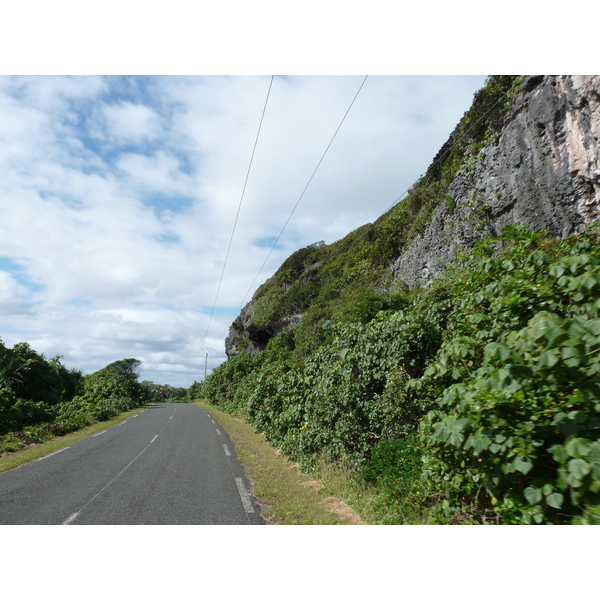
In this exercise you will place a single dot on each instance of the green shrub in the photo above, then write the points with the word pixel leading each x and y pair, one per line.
pixel 74 415
pixel 517 382
pixel 489 381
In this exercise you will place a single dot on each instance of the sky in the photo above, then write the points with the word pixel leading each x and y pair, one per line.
pixel 119 196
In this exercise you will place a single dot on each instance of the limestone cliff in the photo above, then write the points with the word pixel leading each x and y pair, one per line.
pixel 543 170
pixel 527 152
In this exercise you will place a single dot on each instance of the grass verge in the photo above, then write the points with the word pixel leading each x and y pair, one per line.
pixel 404 503
pixel 10 460
pixel 289 497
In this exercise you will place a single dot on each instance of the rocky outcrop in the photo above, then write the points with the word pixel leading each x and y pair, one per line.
pixel 247 335
pixel 543 170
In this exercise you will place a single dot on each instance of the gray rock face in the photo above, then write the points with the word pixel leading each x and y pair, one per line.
pixel 253 338
pixel 543 171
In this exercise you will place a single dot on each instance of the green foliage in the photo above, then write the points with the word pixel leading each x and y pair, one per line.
pixel 393 459
pixel 34 378
pixel 41 398
pixel 517 382
pixel 226 385
pixel 478 395
pixel 30 386
pixel 9 416
pixel 165 393
pixel 480 126
pixel 368 304
pixel 393 471
pixel 349 394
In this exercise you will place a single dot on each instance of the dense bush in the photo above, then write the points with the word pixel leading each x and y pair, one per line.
pixel 69 400
pixel 517 382
pixel 489 382
pixel 30 385
pixel 165 393
pixel 348 395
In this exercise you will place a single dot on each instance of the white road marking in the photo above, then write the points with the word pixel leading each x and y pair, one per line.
pixel 134 416
pixel 49 455
pixel 219 431
pixel 244 495
pixel 71 519
pixel 226 450
pixel 97 434
pixel 170 417
pixel 74 515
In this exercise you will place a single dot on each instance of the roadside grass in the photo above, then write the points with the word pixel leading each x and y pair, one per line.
pixel 289 496
pixel 10 460
pixel 407 503
pixel 332 494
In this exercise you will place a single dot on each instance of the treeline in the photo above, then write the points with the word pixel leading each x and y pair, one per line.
pixel 41 398
pixel 165 393
pixel 475 400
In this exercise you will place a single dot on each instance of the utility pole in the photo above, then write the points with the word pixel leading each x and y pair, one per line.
pixel 206 351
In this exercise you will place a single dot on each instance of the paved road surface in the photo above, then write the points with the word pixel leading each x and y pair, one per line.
pixel 171 464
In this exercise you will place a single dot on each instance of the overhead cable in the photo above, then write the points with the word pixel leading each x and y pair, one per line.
pixel 239 207
pixel 304 191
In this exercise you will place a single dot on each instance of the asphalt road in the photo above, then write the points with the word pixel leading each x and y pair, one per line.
pixel 171 464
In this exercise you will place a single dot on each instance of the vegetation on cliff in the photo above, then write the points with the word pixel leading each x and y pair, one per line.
pixel 323 282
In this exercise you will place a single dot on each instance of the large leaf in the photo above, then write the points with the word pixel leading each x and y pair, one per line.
pixel 532 495
pixel 523 464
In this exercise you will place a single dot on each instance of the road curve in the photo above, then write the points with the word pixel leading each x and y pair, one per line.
pixel 171 464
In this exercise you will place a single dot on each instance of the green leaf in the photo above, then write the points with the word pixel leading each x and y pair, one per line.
pixel 532 495
pixel 547 489
pixel 555 499
pixel 555 336
pixel 577 447
pixel 523 464
pixel 559 454
pixel 578 468
pixel 548 359
pixel 559 418
pixel 497 351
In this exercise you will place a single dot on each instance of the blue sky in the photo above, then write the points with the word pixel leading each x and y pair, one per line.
pixel 119 194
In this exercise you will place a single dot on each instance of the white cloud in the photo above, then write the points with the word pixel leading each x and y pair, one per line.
pixel 119 196
pixel 159 173
pixel 131 122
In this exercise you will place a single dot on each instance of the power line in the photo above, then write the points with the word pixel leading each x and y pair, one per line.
pixel 305 188
pixel 239 207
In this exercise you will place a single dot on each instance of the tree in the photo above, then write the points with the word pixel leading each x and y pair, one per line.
pixel 127 368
